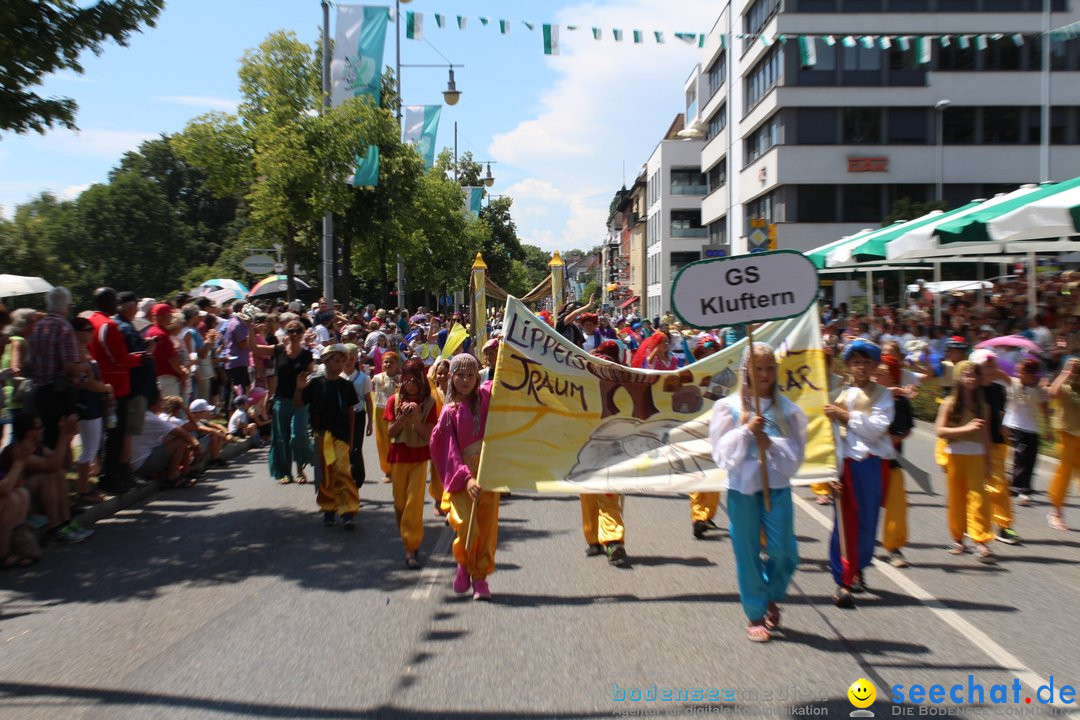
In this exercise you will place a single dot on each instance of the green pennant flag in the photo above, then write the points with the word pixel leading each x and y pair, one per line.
pixel 551 39
pixel 421 130
pixel 923 49
pixel 723 41
pixel 358 55
pixel 414 25
pixel 981 42
pixel 659 37
pixel 617 34
pixel 504 27
pixel 830 40
pixel 963 42
pixel 473 199
pixel 867 41
pixel 807 51
pixel 904 42
pixel 1018 39
pixel 688 38
pixel 528 24
pixel 847 41
pixel 945 41
pixel 440 20
pixel 701 40
pixel 461 22
pixel 484 21
pixel 596 33
pixel 639 37
pixel 884 42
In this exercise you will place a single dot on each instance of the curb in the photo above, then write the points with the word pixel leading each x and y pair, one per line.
pixel 144 490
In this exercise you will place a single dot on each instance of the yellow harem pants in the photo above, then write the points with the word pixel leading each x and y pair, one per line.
pixel 1068 450
pixel 894 533
pixel 997 487
pixel 703 506
pixel 337 492
pixel 382 440
pixel 408 481
pixel 601 518
pixel 438 494
pixel 480 560
pixel 966 503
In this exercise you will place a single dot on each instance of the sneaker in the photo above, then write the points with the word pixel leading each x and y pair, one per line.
pixel 348 522
pixel 858 585
pixel 594 550
pixel 700 529
pixel 329 518
pixel 481 591
pixel 1008 536
pixel 1056 521
pixel 70 534
pixel 712 525
pixel 897 560
pixel 616 554
pixel 462 583
pixel 1023 499
pixel 842 598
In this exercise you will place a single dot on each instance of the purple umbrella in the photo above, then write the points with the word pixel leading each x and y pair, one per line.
pixel 1013 341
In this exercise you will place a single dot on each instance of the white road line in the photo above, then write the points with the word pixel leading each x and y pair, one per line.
pixel 977 637
pixel 429 576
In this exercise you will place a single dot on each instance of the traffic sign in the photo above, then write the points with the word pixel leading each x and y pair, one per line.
pixel 757 222
pixel 280 268
pixel 744 289
pixel 258 264
pixel 758 239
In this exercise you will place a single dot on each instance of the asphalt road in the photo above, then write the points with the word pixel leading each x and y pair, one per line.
pixel 229 600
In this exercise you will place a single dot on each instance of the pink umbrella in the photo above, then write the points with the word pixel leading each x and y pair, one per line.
pixel 1013 341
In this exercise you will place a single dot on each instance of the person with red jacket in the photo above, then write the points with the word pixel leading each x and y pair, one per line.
pixel 110 351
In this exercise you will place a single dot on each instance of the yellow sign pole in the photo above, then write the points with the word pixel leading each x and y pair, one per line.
pixel 557 267
pixel 479 303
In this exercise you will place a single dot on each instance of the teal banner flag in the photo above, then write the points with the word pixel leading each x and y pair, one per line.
pixel 421 129
pixel 356 69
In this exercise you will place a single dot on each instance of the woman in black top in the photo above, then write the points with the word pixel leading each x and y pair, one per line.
pixel 289 441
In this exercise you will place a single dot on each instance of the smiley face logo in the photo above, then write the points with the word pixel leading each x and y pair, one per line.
pixel 862 693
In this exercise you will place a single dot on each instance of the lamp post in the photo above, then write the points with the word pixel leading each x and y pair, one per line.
pixel 939 108
pixel 328 218
pixel 1044 82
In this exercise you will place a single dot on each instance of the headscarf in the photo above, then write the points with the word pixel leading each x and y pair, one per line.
pixel 865 347
pixel 609 350
pixel 414 368
pixel 893 364
pixel 641 355
pixel 373 339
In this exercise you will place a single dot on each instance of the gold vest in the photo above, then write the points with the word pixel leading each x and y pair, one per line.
pixel 864 400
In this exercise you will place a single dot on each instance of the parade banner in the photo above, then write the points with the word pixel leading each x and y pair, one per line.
pixel 355 71
pixel 563 421
pixel 421 129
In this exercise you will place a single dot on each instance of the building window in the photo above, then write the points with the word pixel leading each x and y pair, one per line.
pixel 756 18
pixel 763 139
pixel 764 76
pixel 691 103
pixel 718 232
pixel 1001 126
pixel 717 74
pixel 1002 54
pixel 816 203
pixel 823 72
pixel 956 58
pixel 958 126
pixel 687 181
pixel 909 126
pixel 717 176
pixel 687 224
pixel 862 203
pixel 717 122
pixel 765 208
pixel 681 259
pixel 815 126
pixel 862 126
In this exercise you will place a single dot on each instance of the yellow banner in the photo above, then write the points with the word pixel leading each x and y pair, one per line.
pixel 562 421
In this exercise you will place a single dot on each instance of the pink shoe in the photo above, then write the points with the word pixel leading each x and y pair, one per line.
pixel 461 580
pixel 481 591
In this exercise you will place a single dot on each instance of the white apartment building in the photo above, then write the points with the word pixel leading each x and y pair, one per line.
pixel 824 150
pixel 674 231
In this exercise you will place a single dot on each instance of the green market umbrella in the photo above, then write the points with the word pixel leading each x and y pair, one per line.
pixel 1054 216
pixel 974 228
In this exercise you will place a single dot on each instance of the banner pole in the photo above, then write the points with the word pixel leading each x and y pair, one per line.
pixel 757 411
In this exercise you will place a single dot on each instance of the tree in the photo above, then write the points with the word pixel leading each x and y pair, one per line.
pixel 466 171
pixel 38 37
pixel 907 209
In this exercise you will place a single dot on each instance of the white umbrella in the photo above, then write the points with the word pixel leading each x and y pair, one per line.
pixel 11 285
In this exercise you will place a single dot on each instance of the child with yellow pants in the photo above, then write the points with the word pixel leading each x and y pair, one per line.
pixel 331 399
pixel 998 492
pixel 455 451
pixel 411 414
pixel 1065 398
pixel 962 424
pixel 384 385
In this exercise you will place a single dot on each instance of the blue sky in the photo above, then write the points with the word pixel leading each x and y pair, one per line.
pixel 559 129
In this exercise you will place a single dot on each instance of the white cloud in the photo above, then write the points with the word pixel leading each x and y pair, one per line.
pixel 89 143
pixel 73 191
pixel 201 101
pixel 609 107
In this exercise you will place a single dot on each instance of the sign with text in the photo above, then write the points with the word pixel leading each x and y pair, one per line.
pixel 258 264
pixel 867 164
pixel 744 289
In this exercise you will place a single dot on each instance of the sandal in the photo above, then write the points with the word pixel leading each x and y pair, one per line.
pixel 300 477
pixel 1056 522
pixel 412 562
pixel 986 555
pixel 17 562
pixel 386 478
pixel 284 480
pixel 958 548
pixel 757 632
pixel 772 618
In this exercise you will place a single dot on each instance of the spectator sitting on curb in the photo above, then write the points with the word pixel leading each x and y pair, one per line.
pixel 43 472
pixel 14 509
pixel 162 450
pixel 199 422
pixel 240 424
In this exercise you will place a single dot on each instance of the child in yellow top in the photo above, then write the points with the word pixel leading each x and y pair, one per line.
pixel 1065 399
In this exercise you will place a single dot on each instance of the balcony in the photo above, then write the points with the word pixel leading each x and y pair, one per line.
pixel 700 190
pixel 689 233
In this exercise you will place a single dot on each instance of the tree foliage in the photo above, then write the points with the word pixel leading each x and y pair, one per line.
pixel 38 37
pixel 907 209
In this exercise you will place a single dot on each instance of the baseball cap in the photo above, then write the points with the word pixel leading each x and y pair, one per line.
pixel 161 309
pixel 333 349
pixel 199 405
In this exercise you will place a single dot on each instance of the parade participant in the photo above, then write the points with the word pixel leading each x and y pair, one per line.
pixel 411 414
pixel 438 378
pixel 956 350
pixel 1065 396
pixel 589 331
pixel 331 399
pixel 744 426
pixel 491 355
pixel 962 422
pixel 703 505
pixel 862 412
pixel 655 353
pixel 1026 399
pixel 384 385
pixel 362 384
pixel 289 441
pixel 455 445
pixel 894 535
pixel 823 491
pixel 997 486
pixel 601 513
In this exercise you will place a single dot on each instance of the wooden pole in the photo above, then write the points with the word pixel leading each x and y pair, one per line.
pixel 757 410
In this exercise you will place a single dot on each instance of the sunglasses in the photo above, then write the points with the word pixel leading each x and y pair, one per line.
pixel 294 332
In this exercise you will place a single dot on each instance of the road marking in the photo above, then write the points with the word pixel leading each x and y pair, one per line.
pixel 977 637
pixel 429 576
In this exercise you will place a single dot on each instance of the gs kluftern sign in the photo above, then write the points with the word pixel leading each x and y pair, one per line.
pixel 721 292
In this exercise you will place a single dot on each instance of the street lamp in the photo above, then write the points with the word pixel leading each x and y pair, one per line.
pixel 489 179
pixel 939 108
pixel 451 94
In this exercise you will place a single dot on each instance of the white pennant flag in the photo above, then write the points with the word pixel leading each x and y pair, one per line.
pixel 807 51
pixel 551 39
